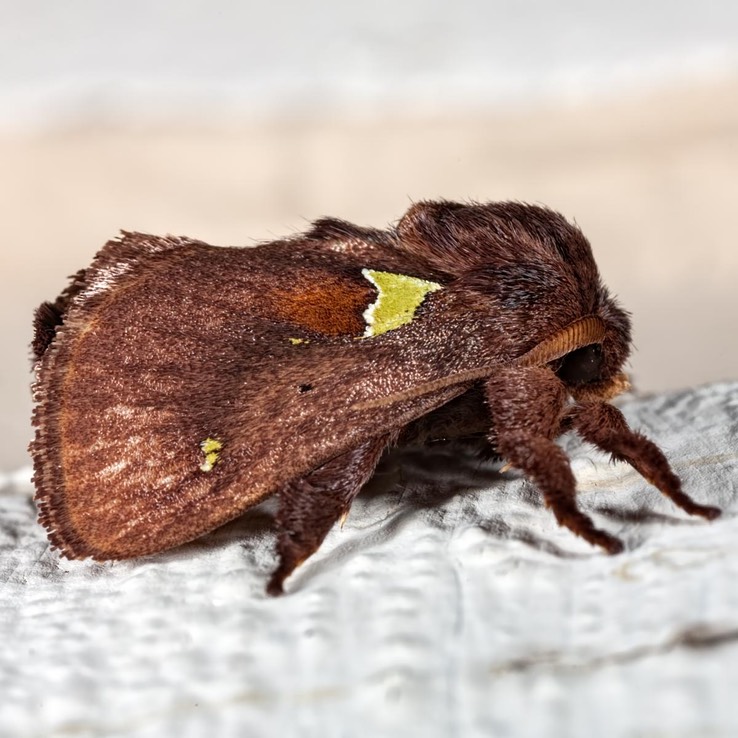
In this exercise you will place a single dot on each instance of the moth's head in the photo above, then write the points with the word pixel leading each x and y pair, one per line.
pixel 594 371
pixel 583 373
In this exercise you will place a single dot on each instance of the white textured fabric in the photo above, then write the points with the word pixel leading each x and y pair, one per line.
pixel 450 604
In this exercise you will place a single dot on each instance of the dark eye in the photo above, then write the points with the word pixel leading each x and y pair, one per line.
pixel 581 366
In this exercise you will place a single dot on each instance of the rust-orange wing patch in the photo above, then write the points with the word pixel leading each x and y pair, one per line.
pixel 332 304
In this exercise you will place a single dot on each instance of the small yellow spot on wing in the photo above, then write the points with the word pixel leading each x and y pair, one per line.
pixel 298 341
pixel 399 298
pixel 211 447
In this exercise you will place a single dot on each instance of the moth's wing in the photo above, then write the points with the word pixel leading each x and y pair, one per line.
pixel 186 382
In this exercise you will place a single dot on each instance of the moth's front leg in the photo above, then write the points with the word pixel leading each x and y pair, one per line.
pixel 604 426
pixel 527 406
pixel 310 505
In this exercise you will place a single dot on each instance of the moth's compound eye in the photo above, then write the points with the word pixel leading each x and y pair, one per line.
pixel 581 366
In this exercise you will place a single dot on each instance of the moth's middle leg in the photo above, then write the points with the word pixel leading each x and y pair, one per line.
pixel 309 506
pixel 527 406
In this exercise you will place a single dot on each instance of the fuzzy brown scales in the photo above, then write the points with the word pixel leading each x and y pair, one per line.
pixel 178 384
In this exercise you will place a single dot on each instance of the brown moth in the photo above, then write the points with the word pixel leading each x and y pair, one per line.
pixel 179 384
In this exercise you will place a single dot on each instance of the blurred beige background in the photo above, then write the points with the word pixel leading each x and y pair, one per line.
pixel 646 164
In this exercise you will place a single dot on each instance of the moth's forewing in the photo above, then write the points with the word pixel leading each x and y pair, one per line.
pixel 187 382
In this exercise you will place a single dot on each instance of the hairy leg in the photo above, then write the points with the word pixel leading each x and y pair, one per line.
pixel 527 407
pixel 309 506
pixel 604 426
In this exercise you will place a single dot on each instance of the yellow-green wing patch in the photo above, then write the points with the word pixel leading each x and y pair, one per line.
pixel 211 447
pixel 398 299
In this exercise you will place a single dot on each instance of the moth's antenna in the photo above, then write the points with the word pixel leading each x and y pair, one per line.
pixel 576 335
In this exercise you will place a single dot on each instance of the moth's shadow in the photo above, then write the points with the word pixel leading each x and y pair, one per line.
pixel 643 515
pixel 428 476
pixel 254 532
